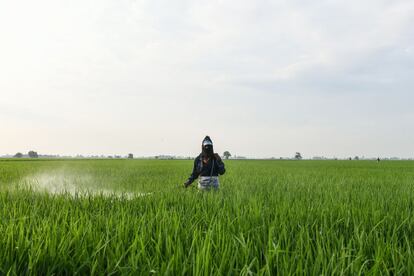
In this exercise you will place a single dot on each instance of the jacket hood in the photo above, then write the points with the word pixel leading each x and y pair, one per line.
pixel 207 147
pixel 207 141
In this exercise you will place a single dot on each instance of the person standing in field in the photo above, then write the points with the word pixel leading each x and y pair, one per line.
pixel 207 167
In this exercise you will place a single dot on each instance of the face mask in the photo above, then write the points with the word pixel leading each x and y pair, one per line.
pixel 208 149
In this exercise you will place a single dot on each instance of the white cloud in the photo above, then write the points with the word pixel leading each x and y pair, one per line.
pixel 162 74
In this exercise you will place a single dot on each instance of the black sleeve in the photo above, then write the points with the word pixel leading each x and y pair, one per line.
pixel 220 167
pixel 194 175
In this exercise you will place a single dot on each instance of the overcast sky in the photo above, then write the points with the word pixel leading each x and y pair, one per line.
pixel 262 78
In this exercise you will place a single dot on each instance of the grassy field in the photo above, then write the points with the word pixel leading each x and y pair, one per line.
pixel 133 217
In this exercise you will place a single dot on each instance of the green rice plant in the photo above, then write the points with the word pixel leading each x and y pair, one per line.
pixel 269 217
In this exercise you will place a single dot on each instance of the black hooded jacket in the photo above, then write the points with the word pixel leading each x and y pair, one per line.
pixel 214 166
pixel 201 169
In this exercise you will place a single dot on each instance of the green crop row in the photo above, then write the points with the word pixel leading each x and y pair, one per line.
pixel 269 217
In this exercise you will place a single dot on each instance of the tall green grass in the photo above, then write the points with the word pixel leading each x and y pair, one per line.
pixel 269 217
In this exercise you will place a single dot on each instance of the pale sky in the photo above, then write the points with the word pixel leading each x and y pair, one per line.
pixel 262 78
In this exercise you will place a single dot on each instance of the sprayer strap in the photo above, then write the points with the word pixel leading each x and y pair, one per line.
pixel 212 168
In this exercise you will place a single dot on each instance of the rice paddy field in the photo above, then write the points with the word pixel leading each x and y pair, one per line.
pixel 269 217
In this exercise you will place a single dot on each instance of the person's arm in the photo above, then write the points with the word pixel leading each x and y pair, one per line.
pixel 220 164
pixel 194 175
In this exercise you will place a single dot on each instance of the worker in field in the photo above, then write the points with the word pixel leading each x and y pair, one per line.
pixel 207 167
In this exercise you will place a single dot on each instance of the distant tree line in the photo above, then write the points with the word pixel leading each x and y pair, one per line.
pixel 30 154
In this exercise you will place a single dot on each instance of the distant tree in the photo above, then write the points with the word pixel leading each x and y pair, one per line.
pixel 33 154
pixel 226 154
pixel 298 156
pixel 18 155
pixel 130 156
pixel 356 158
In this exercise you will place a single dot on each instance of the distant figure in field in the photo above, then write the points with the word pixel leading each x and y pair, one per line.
pixel 207 166
pixel 378 159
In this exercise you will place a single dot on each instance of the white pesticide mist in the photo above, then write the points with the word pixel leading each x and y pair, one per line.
pixel 63 182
